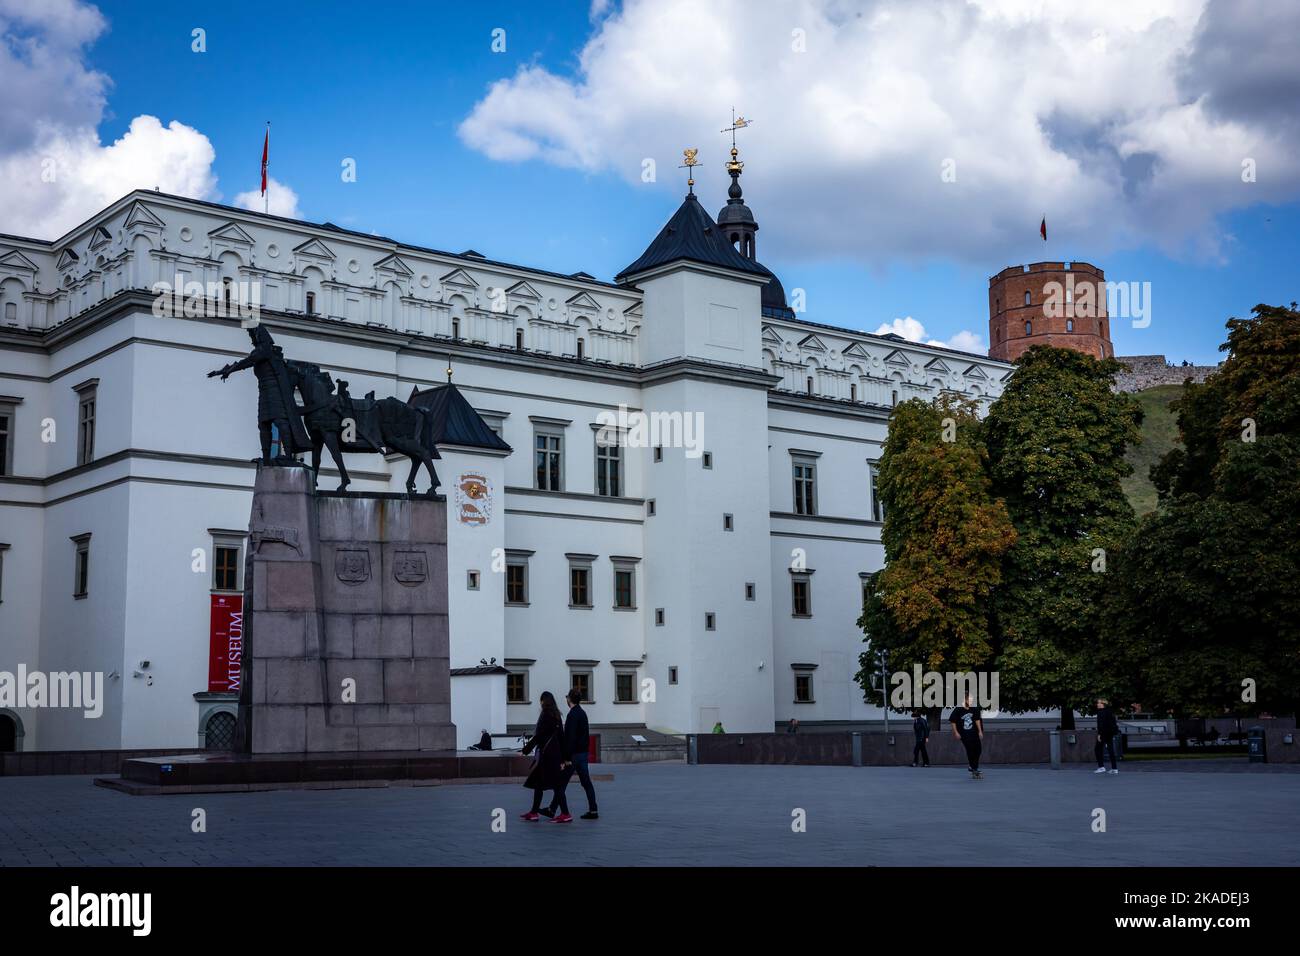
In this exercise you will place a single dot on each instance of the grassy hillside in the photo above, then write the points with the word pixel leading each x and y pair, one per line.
pixel 1159 436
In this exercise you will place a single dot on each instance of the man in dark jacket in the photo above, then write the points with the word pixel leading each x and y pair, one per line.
pixel 1107 729
pixel 577 738
pixel 921 728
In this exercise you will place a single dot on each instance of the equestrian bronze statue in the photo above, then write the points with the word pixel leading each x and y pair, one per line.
pixel 330 419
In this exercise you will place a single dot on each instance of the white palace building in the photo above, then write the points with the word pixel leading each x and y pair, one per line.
pixel 707 568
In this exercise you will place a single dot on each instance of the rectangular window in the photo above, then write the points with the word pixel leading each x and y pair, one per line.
pixel 517 580
pixel 81 566
pixel 6 439
pixel 86 423
pixel 710 621
pixel 580 587
pixel 805 491
pixel 659 453
pixel 728 523
pixel 311 303
pixel 225 565
pixel 548 460
pixel 672 675
pixel 659 617
pixel 471 580
pixel 877 506
pixel 749 591
pixel 708 459
pixel 625 687
pixel 624 588
pixel 650 508
pixel 609 468
pixel 801 595
pixel 580 681
pixel 517 681
pixel 3 549
pixel 803 688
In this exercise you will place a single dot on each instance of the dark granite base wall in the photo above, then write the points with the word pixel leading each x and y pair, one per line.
pixel 50 762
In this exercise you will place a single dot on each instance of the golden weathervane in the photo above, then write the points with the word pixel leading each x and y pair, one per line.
pixel 689 163
pixel 737 122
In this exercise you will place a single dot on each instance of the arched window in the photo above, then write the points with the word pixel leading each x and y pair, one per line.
pixel 311 303
pixel 219 734
pixel 1069 325
pixel 1029 328
pixel 582 348
pixel 1028 299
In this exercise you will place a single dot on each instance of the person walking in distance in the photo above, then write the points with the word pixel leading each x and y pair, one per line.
pixel 577 737
pixel 552 759
pixel 1107 729
pixel 969 729
pixel 921 728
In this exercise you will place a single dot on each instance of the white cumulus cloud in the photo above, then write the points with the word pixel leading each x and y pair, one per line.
pixel 55 171
pixel 890 129
pixel 283 200
pixel 912 330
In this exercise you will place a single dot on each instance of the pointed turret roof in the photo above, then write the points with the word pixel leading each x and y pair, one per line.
pixel 454 420
pixel 691 234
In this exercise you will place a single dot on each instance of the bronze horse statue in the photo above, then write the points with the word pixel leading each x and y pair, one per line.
pixel 342 424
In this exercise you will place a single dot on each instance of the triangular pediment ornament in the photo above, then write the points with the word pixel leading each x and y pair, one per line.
pixel 633 311
pixel 459 277
pixel 314 248
pixel 231 232
pixel 975 372
pixel 67 259
pixel 16 261
pixel 937 365
pixel 582 301
pixel 1007 377
pixel 100 237
pixel 140 215
pixel 771 336
pixel 812 344
pixel 522 290
pixel 857 351
pixel 898 358
pixel 394 264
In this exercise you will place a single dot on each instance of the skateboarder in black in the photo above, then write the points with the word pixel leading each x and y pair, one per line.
pixel 969 729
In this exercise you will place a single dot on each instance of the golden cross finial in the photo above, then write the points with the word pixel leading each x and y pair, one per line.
pixel 737 122
pixel 689 163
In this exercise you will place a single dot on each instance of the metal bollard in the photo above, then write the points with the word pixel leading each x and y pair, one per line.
pixel 692 751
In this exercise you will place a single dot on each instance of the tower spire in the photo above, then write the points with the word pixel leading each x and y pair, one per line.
pixel 735 217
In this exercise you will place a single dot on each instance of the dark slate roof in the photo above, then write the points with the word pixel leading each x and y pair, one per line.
pixel 454 420
pixel 691 234
pixel 478 669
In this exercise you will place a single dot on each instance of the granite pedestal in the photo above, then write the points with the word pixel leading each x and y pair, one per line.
pixel 346 633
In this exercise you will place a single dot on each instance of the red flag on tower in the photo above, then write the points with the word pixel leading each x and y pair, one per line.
pixel 1042 229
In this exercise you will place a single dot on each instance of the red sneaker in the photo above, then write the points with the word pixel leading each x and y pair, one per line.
pixel 529 816
pixel 562 818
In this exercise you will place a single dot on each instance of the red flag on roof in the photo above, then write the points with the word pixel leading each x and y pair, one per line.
pixel 1042 229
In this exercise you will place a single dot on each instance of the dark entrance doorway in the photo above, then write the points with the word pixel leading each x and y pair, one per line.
pixel 8 734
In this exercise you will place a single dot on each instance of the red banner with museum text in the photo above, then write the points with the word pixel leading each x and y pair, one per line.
pixel 227 643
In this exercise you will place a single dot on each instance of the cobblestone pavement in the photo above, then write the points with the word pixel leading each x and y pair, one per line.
pixel 673 814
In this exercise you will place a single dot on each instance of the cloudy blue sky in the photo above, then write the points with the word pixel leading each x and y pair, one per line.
pixel 1159 138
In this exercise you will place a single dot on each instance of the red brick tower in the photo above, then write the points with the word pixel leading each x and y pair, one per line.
pixel 1048 303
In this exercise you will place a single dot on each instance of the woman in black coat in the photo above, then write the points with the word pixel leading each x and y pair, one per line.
pixel 552 757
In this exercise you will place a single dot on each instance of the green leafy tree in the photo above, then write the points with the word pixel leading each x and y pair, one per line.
pixel 944 538
pixel 1056 439
pixel 1210 615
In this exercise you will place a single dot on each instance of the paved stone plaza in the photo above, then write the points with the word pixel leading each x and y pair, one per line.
pixel 1198 813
